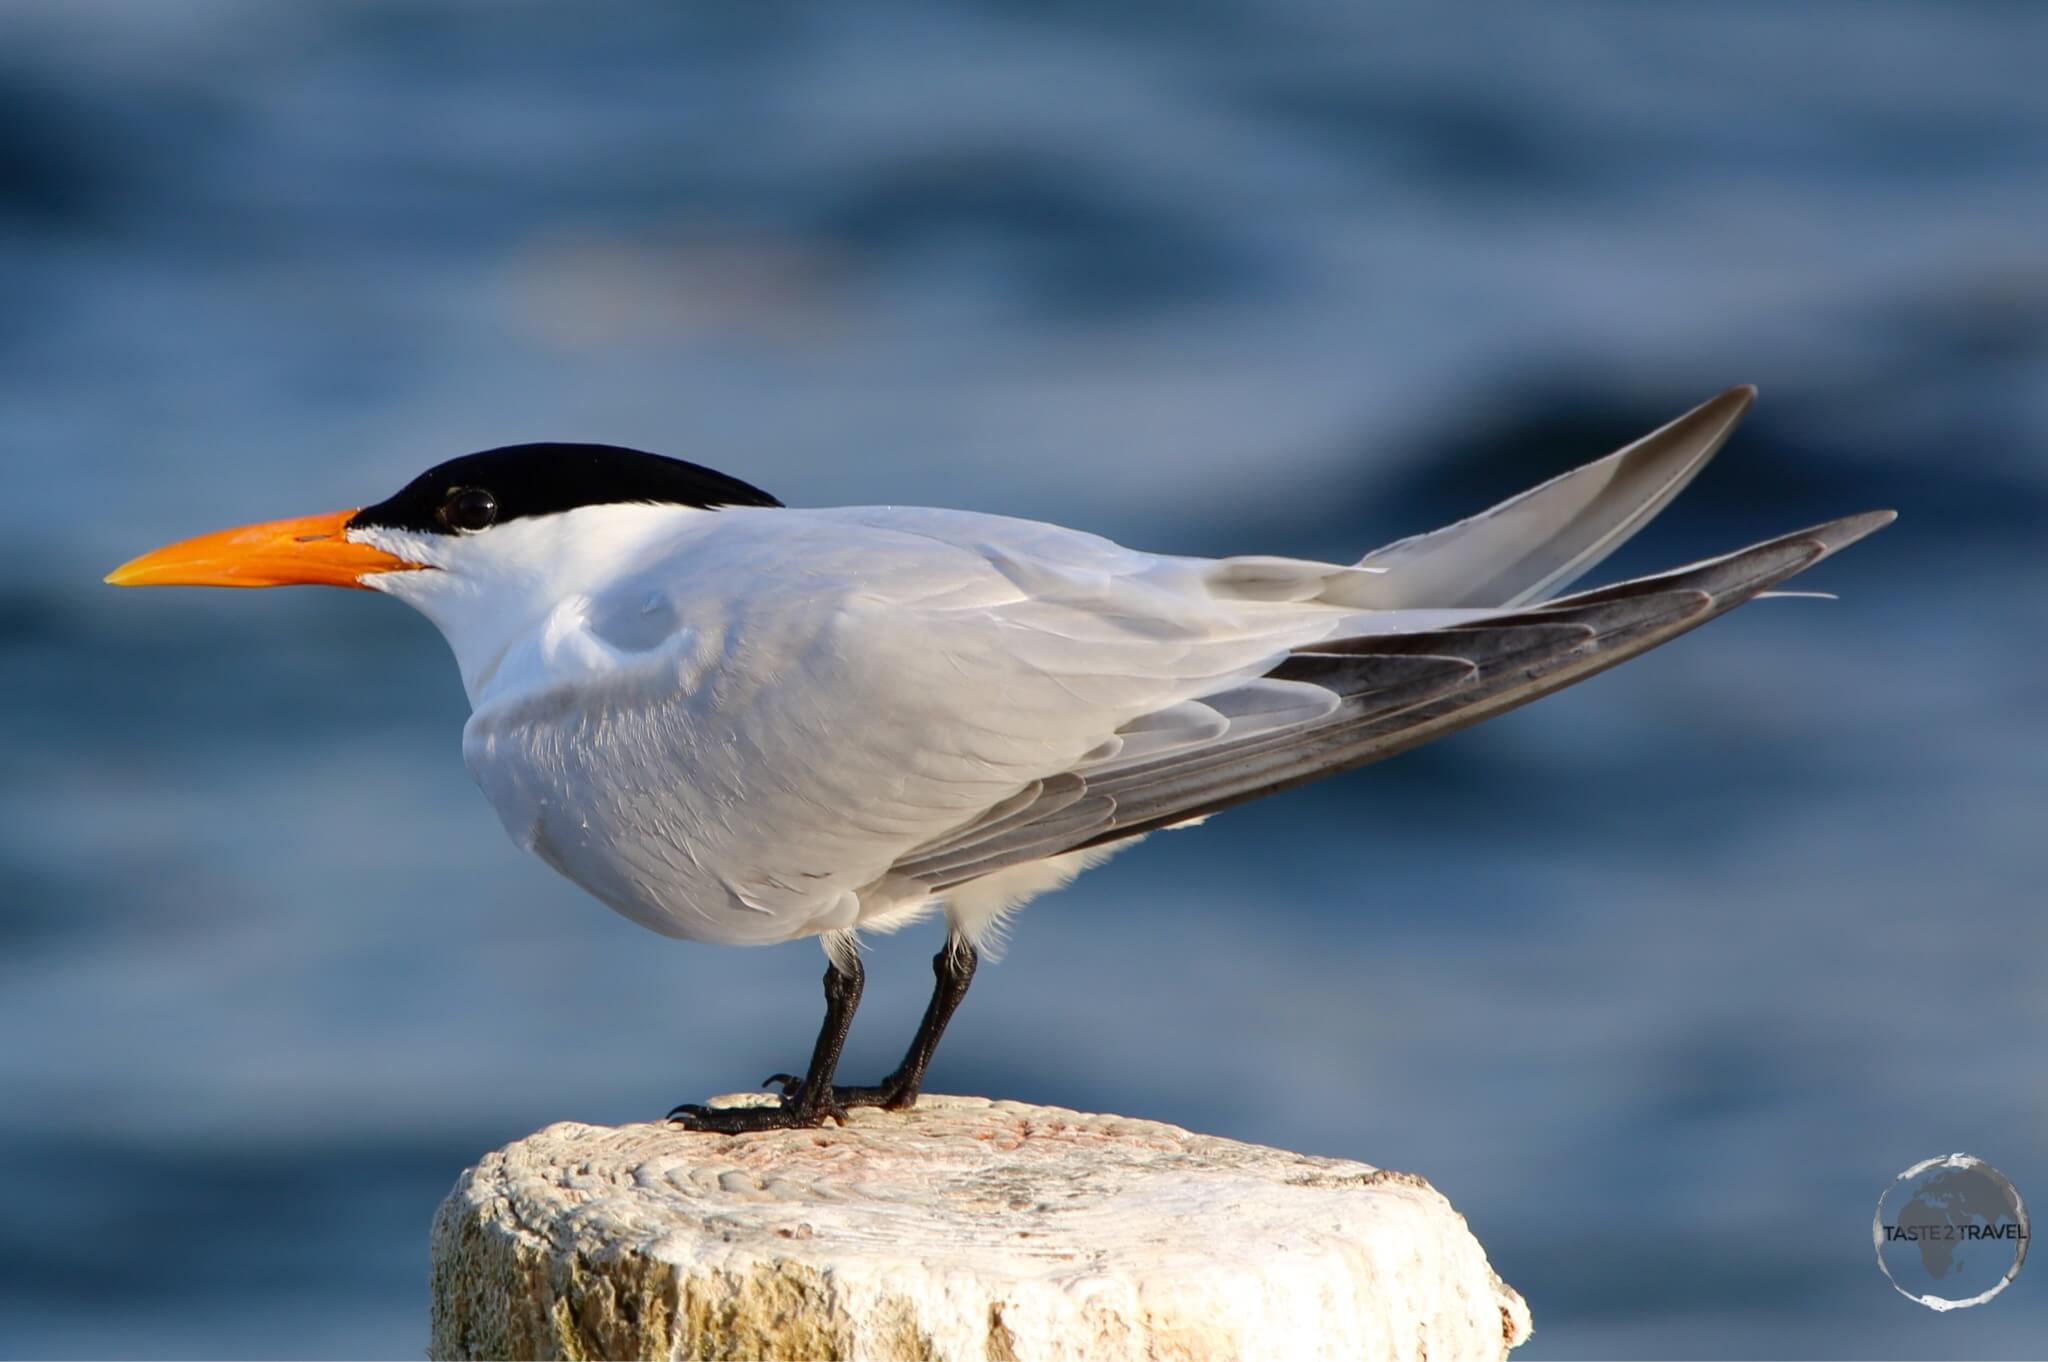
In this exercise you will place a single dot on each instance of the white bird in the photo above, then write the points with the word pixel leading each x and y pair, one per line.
pixel 741 723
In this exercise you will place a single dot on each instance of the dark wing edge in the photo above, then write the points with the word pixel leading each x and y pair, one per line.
pixel 1398 691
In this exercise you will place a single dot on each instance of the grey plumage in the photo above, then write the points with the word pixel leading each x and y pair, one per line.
pixel 1395 691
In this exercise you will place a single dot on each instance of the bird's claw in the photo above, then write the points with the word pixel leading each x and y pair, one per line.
pixel 791 1113
pixel 886 1095
pixel 827 1106
pixel 740 1120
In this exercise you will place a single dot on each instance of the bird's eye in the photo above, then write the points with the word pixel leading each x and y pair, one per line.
pixel 469 509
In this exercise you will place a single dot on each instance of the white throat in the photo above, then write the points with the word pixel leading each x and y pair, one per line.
pixel 493 591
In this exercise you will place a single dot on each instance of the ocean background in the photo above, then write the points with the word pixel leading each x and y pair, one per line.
pixel 1660 981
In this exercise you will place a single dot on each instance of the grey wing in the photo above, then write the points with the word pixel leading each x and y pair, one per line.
pixel 1546 538
pixel 1389 692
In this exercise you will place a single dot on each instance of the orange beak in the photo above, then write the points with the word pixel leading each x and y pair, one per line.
pixel 313 551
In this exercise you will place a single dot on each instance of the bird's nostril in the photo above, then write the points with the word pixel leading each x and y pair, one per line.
pixel 309 538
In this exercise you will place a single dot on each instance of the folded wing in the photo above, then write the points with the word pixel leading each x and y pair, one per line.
pixel 1546 538
pixel 1388 692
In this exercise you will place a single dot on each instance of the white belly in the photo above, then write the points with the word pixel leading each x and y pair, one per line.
pixel 637 834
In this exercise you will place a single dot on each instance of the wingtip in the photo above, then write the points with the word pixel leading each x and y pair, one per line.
pixel 1725 407
pixel 1701 432
pixel 1837 535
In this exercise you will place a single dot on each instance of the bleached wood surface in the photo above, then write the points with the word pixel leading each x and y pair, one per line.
pixel 962 1229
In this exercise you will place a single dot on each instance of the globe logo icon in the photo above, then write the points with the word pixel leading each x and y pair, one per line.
pixel 1950 1232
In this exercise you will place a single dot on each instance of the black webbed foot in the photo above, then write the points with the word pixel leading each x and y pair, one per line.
pixel 792 1113
pixel 891 1094
pixel 894 1093
pixel 799 1108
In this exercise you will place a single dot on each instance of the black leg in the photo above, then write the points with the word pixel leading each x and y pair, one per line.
pixel 953 968
pixel 809 1102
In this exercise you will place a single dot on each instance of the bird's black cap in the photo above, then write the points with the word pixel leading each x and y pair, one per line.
pixel 479 490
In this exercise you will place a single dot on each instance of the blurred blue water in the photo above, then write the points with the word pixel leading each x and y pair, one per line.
pixel 1660 982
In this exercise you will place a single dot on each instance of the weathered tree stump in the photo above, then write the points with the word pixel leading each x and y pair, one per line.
pixel 962 1229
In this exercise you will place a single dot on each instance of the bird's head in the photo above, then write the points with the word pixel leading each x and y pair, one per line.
pixel 511 512
pixel 485 546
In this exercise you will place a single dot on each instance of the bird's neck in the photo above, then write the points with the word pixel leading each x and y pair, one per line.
pixel 496 596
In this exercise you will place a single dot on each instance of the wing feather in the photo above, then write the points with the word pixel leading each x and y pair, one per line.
pixel 1393 691
pixel 1546 538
